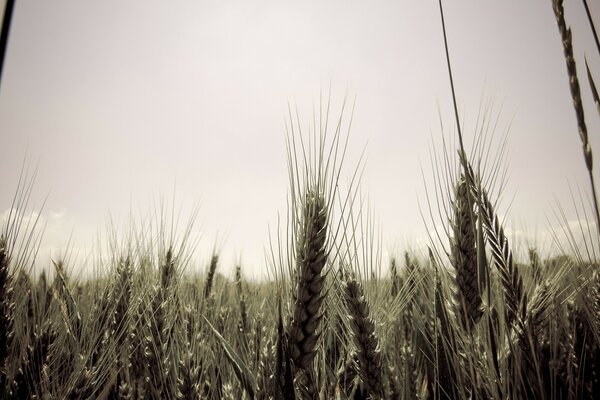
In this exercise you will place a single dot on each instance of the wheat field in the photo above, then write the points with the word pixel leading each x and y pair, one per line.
pixel 468 320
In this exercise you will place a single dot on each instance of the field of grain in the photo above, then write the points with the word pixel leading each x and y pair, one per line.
pixel 335 321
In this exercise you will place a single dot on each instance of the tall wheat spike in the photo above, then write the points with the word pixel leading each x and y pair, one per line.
pixel 567 42
pixel 464 256
pixel 159 343
pixel 6 312
pixel 311 257
pixel 443 342
pixel 283 380
pixel 212 268
pixel 595 298
pixel 244 327
pixel 510 276
pixel 366 343
pixel 410 277
pixel 120 326
pixel 395 289
pixel 527 331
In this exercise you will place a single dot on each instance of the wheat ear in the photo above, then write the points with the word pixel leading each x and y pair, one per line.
pixel 366 343
pixel 212 268
pixel 464 256
pixel 567 42
pixel 6 312
pixel 311 256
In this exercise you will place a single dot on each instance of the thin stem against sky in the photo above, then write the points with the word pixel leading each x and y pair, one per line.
pixel 8 11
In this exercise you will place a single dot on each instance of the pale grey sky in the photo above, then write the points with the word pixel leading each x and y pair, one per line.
pixel 118 101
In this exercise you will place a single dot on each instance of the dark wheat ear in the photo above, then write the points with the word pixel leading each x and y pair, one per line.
pixel 395 289
pixel 311 256
pixel 212 268
pixel 366 342
pixel 29 381
pixel 594 293
pixel 596 297
pixel 510 276
pixel 444 374
pixel 239 284
pixel 567 43
pixel 464 256
pixel 283 381
pixel 6 312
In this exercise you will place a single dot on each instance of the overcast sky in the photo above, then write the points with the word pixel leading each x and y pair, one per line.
pixel 117 102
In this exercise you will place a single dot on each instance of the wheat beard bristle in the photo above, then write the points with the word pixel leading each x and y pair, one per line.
pixel 311 257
